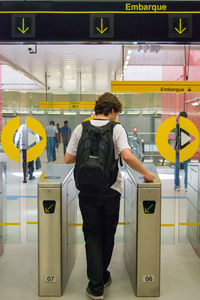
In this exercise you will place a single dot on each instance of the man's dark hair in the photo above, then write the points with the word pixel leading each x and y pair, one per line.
pixel 106 103
pixel 51 122
pixel 57 124
pixel 183 114
pixel 66 122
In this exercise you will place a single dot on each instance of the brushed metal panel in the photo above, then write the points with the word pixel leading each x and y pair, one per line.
pixel 148 248
pixel 138 178
pixel 193 230
pixel 64 229
pixel 1 179
pixel 192 196
pixel 2 204
pixel 72 213
pixel 193 174
pixel 54 176
pixel 49 242
pixel 71 189
pixel 130 228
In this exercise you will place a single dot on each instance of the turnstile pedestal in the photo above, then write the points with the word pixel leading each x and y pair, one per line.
pixel 193 206
pixel 142 216
pixel 57 198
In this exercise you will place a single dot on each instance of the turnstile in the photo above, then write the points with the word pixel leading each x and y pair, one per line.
pixel 142 217
pixel 57 197
pixel 2 202
pixel 193 206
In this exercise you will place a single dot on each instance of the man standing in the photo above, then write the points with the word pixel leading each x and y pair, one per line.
pixel 52 141
pixel 178 147
pixel 100 211
pixel 66 134
pixel 21 141
pixel 59 133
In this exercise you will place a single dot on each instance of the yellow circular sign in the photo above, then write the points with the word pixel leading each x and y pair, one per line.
pixel 162 139
pixel 7 138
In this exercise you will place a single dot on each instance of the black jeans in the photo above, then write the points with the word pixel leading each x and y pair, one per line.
pixel 64 147
pixel 100 218
pixel 24 165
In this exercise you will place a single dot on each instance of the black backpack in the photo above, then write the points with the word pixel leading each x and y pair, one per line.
pixel 96 168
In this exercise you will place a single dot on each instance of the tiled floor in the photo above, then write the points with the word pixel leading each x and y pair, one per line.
pixel 180 266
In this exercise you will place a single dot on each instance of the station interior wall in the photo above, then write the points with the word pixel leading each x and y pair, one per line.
pixel 173 103
pixel 0 102
pixel 139 110
pixel 145 111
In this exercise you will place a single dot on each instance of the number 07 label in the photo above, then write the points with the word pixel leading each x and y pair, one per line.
pixel 148 278
pixel 50 279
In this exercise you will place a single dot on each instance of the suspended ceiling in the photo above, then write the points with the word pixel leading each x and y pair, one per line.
pixel 86 68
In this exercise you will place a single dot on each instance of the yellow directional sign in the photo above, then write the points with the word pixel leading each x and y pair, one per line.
pixel 101 30
pixel 180 30
pixel 23 29
pixel 155 86
pixel 67 105
pixel 190 149
pixel 22 25
pixel 162 139
pixel 7 139
pixel 37 149
pixel 49 206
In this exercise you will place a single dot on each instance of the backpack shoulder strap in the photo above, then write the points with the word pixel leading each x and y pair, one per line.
pixel 110 125
pixel 87 125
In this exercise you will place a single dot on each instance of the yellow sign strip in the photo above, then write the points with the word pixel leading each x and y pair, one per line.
pixel 189 224
pixel 155 86
pixel 6 224
pixel 67 105
pixel 32 223
pixel 98 12
pixel 120 223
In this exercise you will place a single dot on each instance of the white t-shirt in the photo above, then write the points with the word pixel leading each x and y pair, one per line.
pixel 51 131
pixel 120 140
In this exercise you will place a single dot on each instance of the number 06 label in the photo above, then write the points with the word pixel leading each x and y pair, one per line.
pixel 148 278
pixel 50 278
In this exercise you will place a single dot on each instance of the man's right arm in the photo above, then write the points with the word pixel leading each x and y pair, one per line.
pixel 69 159
pixel 135 164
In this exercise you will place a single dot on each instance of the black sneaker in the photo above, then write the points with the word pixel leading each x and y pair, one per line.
pixel 108 282
pixel 92 296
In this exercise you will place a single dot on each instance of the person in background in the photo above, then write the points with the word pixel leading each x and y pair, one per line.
pixel 21 141
pixel 178 147
pixel 52 141
pixel 59 134
pixel 66 134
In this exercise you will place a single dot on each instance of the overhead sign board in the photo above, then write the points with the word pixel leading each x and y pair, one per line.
pixel 155 86
pixel 23 26
pixel 55 21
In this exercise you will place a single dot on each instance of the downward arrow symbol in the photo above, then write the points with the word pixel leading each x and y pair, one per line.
pixel 180 30
pixel 102 30
pixel 23 30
